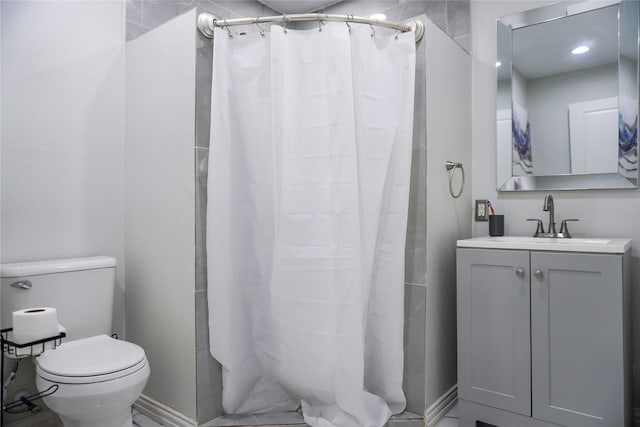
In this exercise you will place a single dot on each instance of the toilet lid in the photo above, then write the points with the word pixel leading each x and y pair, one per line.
pixel 88 357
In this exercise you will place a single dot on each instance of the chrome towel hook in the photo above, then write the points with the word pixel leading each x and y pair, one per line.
pixel 452 166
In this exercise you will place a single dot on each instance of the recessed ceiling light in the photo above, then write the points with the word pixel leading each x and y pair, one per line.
pixel 580 50
pixel 378 16
pixel 498 64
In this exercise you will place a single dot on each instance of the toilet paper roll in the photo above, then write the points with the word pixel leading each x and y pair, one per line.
pixel 33 324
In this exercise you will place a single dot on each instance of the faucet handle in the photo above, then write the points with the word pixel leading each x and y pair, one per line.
pixel 539 228
pixel 563 227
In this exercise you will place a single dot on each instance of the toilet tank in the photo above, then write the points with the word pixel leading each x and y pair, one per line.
pixel 80 289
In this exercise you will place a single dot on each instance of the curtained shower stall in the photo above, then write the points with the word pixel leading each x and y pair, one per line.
pixel 308 189
pixel 309 165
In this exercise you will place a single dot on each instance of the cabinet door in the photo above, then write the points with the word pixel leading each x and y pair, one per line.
pixel 493 328
pixel 577 339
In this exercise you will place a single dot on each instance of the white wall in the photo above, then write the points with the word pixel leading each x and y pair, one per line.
pixel 160 208
pixel 63 131
pixel 448 114
pixel 62 137
pixel 602 213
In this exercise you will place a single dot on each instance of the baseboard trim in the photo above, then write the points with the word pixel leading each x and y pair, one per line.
pixel 440 407
pixel 161 413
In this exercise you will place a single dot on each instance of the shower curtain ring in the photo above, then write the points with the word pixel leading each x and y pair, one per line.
pixel 349 18
pixel 284 23
pixel 373 32
pixel 259 27
pixel 226 26
pixel 320 26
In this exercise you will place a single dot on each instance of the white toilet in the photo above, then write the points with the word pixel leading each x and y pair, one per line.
pixel 98 377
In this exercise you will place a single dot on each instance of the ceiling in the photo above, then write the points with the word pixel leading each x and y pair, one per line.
pixel 297 6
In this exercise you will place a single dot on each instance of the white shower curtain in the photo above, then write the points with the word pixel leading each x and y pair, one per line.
pixel 308 190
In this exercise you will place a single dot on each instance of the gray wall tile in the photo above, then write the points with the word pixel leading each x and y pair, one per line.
pixel 415 311
pixel 204 70
pixel 361 8
pixel 157 12
pixel 134 11
pixel 209 372
pixel 416 246
pixel 203 6
pixel 134 30
pixel 436 10
pixel 458 18
pixel 243 8
pixel 464 41
pixel 201 167
pixel 145 15
pixel 415 260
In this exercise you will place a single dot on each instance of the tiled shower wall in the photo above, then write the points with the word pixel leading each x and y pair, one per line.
pixel 450 16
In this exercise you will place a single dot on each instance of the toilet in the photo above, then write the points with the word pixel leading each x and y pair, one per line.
pixel 98 377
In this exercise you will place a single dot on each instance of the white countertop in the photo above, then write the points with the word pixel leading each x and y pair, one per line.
pixel 597 245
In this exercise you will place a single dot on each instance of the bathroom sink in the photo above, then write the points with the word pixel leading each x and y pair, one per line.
pixel 548 244
pixel 538 240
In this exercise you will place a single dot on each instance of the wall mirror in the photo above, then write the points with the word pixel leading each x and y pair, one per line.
pixel 568 120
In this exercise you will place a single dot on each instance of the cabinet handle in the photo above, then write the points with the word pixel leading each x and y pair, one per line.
pixel 520 272
pixel 538 274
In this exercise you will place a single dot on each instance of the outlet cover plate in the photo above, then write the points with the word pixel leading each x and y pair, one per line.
pixel 482 211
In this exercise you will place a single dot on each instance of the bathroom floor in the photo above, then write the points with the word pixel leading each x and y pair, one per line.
pixel 45 419
pixel 403 420
pixel 449 420
pixel 294 419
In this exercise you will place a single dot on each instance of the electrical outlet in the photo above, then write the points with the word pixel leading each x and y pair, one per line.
pixel 481 210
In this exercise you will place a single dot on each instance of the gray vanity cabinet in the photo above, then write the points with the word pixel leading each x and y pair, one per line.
pixel 541 338
pixel 493 329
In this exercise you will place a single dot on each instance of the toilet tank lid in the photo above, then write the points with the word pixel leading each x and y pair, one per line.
pixel 33 268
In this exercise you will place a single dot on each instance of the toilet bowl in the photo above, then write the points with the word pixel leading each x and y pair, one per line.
pixel 97 379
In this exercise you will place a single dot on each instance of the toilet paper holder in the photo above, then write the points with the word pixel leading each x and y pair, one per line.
pixel 28 349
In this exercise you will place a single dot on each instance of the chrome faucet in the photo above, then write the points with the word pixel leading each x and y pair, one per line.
pixel 548 207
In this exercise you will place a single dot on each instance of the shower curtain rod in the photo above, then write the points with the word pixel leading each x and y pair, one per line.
pixel 207 22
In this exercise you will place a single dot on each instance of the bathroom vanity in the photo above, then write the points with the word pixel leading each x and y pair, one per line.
pixel 543 332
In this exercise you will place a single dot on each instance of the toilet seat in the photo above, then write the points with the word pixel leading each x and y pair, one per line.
pixel 91 360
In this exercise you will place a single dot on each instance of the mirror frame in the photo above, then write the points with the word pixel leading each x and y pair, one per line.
pixel 506 181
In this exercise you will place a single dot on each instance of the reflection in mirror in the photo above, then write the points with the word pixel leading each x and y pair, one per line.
pixel 568 120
